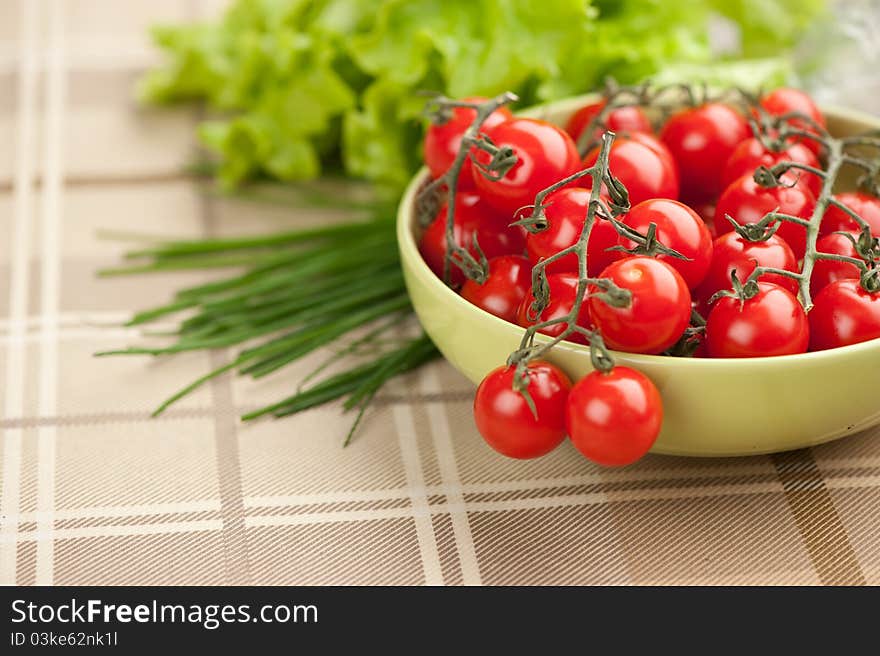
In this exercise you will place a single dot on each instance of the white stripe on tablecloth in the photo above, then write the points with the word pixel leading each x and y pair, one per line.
pixel 50 281
pixel 461 528
pixel 415 482
pixel 14 405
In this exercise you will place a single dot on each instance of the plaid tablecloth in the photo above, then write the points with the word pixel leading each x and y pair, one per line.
pixel 95 492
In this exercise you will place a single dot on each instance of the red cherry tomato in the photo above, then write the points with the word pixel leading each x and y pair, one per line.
pixel 706 211
pixel 640 163
pixel 563 292
pixel 844 313
pixel 614 418
pixel 865 205
pixel 659 311
pixel 566 212
pixel 505 420
pixel 827 271
pixel 545 155
pixel 443 141
pixel 770 323
pixel 620 120
pixel 734 253
pixel 472 216
pixel 509 280
pixel 748 202
pixel 785 101
pixel 679 228
pixel 750 154
pixel 701 140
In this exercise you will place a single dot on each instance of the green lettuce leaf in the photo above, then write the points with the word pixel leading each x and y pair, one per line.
pixel 299 85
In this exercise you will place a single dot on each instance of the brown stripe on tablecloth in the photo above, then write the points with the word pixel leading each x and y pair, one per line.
pixel 821 528
pixel 235 546
pixel 26 556
pixel 609 487
pixel 447 549
pixel 137 520
pixel 124 417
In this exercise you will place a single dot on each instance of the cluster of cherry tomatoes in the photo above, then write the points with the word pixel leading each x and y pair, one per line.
pixel 685 180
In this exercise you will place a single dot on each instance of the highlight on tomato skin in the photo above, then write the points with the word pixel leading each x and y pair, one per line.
pixel 620 120
pixel 545 155
pixel 503 291
pixel 679 228
pixel 702 139
pixel 844 313
pixel 614 418
pixel 659 309
pixel 506 422
pixel 644 170
pixel 771 323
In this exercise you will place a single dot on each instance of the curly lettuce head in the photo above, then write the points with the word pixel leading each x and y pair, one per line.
pixel 298 86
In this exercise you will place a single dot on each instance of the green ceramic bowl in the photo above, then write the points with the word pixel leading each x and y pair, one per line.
pixel 712 407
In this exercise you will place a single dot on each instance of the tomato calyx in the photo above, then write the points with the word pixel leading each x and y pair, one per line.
pixel 742 290
pixel 645 244
pixel 870 280
pixel 763 230
pixel 502 158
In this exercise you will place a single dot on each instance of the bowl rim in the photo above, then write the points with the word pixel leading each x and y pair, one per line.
pixel 409 253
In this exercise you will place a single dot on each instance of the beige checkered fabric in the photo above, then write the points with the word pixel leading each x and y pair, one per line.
pixel 95 492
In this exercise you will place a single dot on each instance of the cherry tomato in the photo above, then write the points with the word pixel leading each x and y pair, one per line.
pixel 640 163
pixel 706 211
pixel 620 120
pixel 443 141
pixel 563 292
pixel 508 282
pixel 614 418
pixel 679 228
pixel 844 313
pixel 545 154
pixel 472 216
pixel 865 205
pixel 750 154
pixel 659 310
pixel 772 322
pixel 701 140
pixel 784 101
pixel 566 212
pixel 734 253
pixel 747 202
pixel 505 420
pixel 827 271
